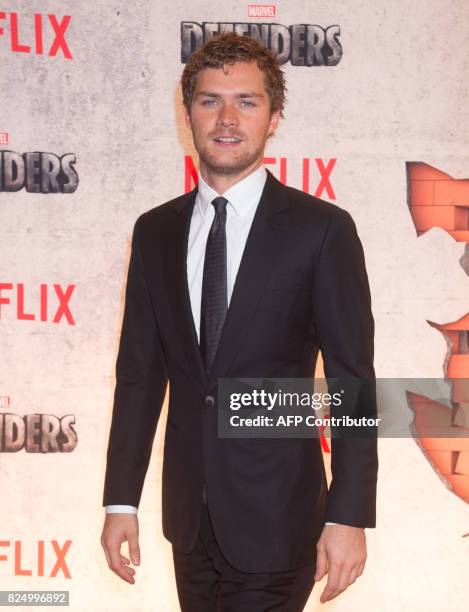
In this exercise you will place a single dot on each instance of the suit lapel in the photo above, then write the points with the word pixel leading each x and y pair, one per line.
pixel 177 239
pixel 258 260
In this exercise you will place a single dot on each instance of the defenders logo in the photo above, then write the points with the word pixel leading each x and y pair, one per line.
pixel 38 172
pixel 301 45
pixel 37 433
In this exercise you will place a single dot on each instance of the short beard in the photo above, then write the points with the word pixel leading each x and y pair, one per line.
pixel 237 167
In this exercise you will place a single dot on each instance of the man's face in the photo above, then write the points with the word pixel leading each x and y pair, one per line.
pixel 231 103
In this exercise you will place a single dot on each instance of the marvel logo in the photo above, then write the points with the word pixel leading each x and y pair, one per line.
pixel 4 401
pixel 262 10
pixel 3 138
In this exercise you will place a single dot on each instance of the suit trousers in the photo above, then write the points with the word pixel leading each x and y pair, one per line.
pixel 206 582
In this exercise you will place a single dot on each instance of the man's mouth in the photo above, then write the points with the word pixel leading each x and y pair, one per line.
pixel 227 139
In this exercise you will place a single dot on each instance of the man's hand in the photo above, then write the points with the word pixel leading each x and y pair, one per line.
pixel 119 528
pixel 341 553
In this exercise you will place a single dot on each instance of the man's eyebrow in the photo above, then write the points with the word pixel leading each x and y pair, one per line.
pixel 211 94
pixel 252 94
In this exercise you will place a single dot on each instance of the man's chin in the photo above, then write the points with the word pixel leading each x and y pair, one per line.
pixel 227 167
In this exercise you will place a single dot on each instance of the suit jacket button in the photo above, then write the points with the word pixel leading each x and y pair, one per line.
pixel 209 401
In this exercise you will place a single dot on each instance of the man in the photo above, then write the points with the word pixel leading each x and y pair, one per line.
pixel 242 277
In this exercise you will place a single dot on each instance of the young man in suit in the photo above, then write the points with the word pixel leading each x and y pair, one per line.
pixel 242 277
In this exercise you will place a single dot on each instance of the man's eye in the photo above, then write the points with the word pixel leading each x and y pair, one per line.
pixel 247 103
pixel 208 102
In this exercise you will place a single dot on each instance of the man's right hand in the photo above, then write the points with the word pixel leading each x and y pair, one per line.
pixel 119 528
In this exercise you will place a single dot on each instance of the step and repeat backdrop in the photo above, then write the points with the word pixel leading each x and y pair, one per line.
pixel 92 134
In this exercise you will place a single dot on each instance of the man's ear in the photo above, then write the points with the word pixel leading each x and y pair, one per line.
pixel 273 124
pixel 187 118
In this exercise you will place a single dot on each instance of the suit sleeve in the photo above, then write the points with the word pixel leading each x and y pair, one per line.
pixel 141 379
pixel 344 326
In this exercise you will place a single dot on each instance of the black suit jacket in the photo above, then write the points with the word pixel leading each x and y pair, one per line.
pixel 301 286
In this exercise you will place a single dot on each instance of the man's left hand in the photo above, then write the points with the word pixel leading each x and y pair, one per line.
pixel 341 553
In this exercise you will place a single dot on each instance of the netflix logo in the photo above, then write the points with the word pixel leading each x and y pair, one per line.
pixel 315 174
pixel 50 304
pixel 39 34
pixel 45 558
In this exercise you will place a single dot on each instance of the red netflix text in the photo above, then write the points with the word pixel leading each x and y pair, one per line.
pixel 47 37
pixel 52 304
pixel 315 173
pixel 47 558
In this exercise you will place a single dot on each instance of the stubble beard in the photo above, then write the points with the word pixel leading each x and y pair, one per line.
pixel 234 166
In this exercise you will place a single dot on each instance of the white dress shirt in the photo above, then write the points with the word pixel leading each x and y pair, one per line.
pixel 243 198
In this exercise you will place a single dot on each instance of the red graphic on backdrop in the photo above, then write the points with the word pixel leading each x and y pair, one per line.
pixel 48 563
pixel 52 304
pixel 316 179
pixel 449 456
pixel 29 36
pixel 436 199
pixel 3 138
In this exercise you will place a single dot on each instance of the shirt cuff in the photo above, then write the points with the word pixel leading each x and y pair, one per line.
pixel 329 523
pixel 114 509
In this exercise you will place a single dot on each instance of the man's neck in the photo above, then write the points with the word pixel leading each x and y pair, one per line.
pixel 221 183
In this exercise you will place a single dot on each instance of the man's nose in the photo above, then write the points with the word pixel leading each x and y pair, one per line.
pixel 227 116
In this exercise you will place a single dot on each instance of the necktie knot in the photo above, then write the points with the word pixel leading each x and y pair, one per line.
pixel 219 204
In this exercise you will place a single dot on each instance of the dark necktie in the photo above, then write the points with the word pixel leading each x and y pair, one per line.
pixel 214 304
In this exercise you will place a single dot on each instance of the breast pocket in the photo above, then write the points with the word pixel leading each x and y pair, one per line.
pixel 285 301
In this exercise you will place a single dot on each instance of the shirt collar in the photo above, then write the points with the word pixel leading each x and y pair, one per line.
pixel 242 196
